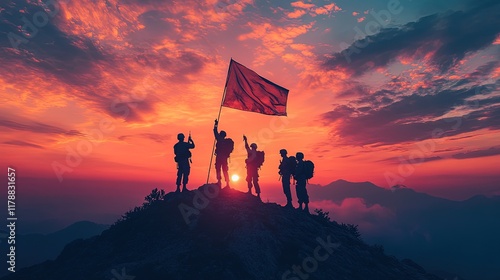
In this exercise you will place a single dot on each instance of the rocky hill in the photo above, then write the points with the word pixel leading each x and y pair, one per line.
pixel 226 234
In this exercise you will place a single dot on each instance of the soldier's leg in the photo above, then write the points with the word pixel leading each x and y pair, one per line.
pixel 225 170
pixel 297 193
pixel 255 177
pixel 285 180
pixel 178 180
pixel 305 198
pixel 305 195
pixel 187 170
pixel 249 180
pixel 301 185
pixel 218 166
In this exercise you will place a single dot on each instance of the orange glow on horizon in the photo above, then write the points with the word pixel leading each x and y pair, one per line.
pixel 130 75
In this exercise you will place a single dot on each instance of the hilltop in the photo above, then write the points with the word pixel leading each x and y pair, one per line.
pixel 206 234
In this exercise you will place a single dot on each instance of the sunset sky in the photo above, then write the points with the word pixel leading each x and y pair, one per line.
pixel 392 92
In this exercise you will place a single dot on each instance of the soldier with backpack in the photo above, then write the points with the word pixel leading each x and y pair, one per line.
pixel 223 149
pixel 286 170
pixel 183 158
pixel 254 161
pixel 303 172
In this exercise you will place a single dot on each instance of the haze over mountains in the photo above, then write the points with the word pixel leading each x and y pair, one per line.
pixel 440 234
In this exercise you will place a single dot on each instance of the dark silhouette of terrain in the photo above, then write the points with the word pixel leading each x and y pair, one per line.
pixel 227 235
pixel 439 234
pixel 35 248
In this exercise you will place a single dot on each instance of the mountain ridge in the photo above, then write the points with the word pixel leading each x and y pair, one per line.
pixel 35 248
pixel 226 235
pixel 423 227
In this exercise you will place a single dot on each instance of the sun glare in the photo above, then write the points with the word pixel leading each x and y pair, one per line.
pixel 235 178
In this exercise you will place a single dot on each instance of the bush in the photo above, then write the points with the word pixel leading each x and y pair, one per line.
pixel 352 229
pixel 322 215
pixel 155 195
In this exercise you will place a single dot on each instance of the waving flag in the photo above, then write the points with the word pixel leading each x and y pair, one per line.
pixel 247 91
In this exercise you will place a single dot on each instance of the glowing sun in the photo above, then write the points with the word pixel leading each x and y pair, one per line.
pixel 235 178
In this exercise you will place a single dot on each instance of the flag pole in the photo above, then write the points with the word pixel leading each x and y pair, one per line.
pixel 218 118
pixel 213 147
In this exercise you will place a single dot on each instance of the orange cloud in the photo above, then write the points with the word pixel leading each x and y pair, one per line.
pixel 275 39
pixel 306 50
pixel 296 14
pixel 300 4
pixel 327 9
pixel 303 8
pixel 496 72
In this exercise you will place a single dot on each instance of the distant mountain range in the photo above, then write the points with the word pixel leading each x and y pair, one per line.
pixel 440 234
pixel 35 248
pixel 226 235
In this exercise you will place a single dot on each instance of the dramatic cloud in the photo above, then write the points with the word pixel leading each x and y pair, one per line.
pixel 118 74
pixel 149 69
pixel 311 9
pixel 493 151
pixel 420 81
pixel 275 39
pixel 37 127
pixel 443 40
pixel 413 117
pixel 398 160
pixel 44 47
pixel 158 138
pixel 23 144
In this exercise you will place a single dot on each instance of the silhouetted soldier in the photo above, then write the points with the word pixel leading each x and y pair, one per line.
pixel 286 170
pixel 183 157
pixel 253 162
pixel 300 187
pixel 223 148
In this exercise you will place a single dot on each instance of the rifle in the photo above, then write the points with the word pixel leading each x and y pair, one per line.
pixel 190 140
